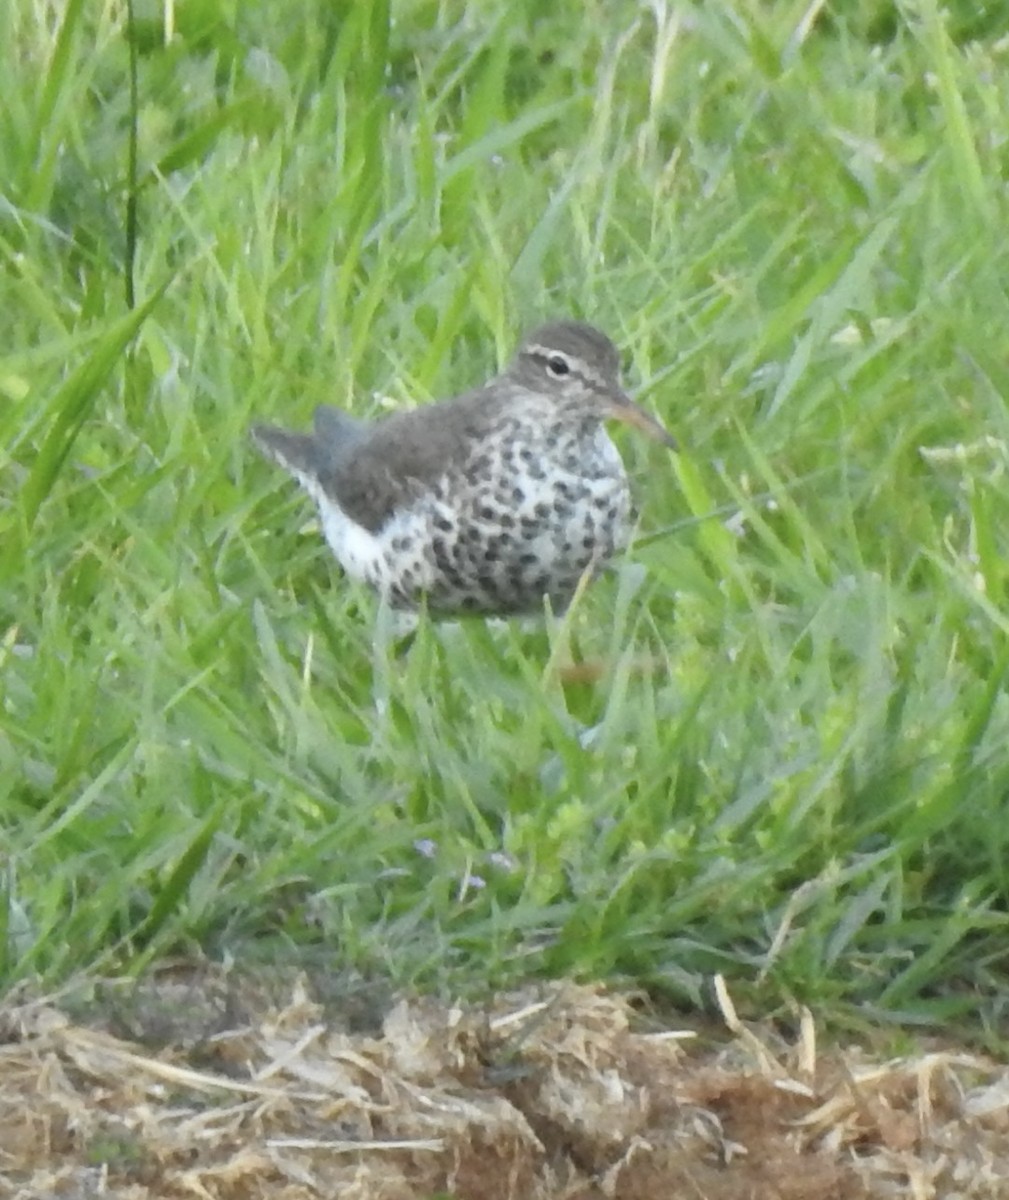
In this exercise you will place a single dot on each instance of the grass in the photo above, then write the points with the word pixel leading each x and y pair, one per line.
pixel 795 229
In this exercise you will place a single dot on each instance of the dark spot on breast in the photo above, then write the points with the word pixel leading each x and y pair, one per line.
pixel 444 524
pixel 518 494
pixel 528 560
pixel 542 510
pixel 486 513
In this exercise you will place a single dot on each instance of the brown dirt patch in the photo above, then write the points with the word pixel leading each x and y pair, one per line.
pixel 557 1094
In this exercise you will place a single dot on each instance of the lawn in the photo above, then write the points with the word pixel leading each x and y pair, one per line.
pixel 792 219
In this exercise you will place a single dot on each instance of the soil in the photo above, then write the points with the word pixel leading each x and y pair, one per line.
pixel 195 1084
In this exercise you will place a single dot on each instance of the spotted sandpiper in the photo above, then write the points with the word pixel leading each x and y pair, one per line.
pixel 485 503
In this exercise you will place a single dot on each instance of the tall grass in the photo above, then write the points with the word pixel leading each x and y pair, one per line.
pixel 792 221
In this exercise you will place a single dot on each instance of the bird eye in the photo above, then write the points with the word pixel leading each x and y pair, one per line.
pixel 557 366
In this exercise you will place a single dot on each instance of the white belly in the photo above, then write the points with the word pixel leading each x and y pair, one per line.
pixel 359 552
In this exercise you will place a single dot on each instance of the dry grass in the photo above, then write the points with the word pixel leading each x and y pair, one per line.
pixel 561 1094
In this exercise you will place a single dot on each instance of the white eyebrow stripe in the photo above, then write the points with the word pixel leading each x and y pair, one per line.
pixel 548 352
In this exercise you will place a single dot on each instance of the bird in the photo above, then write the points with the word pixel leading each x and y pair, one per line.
pixel 487 503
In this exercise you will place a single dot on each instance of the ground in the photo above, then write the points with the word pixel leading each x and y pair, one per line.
pixel 224 1091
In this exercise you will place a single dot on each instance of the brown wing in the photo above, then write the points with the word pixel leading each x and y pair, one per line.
pixel 405 456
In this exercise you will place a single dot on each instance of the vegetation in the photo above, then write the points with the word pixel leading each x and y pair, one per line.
pixel 792 218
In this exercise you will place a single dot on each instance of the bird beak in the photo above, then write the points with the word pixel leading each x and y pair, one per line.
pixel 622 408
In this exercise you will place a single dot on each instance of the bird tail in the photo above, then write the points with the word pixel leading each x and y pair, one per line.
pixel 295 452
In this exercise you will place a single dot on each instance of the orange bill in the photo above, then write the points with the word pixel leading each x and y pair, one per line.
pixel 624 409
